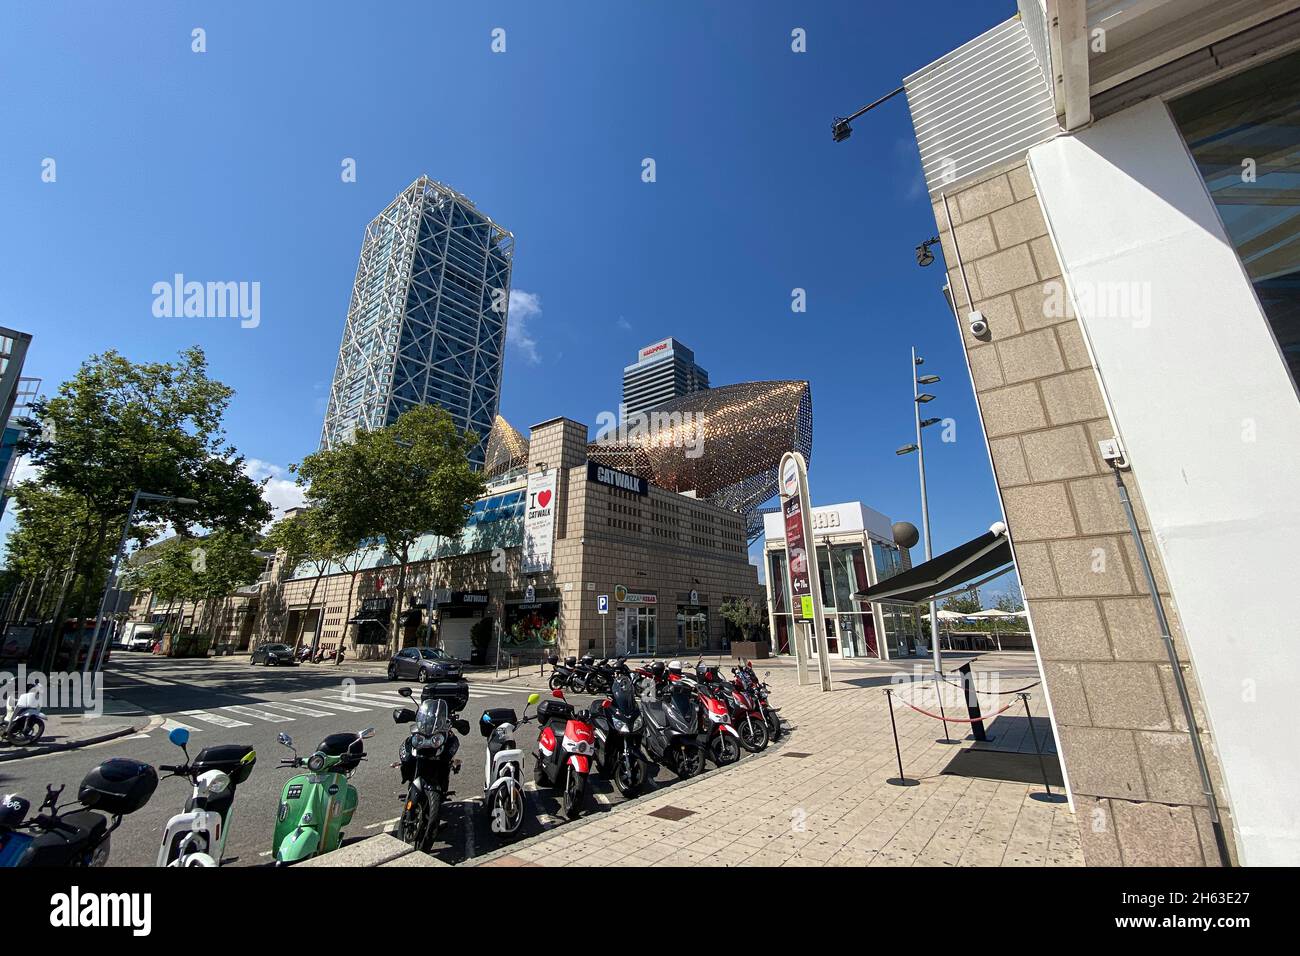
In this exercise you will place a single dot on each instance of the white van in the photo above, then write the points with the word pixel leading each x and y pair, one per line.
pixel 138 637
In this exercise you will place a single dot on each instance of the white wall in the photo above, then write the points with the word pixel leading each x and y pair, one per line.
pixel 1211 423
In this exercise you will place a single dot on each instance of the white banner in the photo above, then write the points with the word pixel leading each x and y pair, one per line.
pixel 539 522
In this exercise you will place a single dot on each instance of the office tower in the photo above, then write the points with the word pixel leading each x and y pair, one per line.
pixel 662 371
pixel 427 321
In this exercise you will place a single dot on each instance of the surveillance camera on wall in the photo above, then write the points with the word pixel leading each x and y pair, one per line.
pixel 978 327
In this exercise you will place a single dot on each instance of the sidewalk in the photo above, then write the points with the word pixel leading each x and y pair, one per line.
pixel 70 731
pixel 820 796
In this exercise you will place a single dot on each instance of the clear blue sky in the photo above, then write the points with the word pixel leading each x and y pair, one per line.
pixel 225 165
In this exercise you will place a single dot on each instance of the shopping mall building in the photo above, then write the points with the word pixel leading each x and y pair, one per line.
pixel 1116 187
pixel 658 521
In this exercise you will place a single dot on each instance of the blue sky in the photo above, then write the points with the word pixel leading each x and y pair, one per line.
pixel 225 166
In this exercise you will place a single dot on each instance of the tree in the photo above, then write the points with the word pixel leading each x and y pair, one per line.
pixel 395 484
pixel 117 427
pixel 306 535
pixel 744 614
pixel 962 603
pixel 202 570
pixel 1010 602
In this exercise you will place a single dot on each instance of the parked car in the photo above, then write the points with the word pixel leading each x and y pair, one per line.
pixel 424 664
pixel 272 655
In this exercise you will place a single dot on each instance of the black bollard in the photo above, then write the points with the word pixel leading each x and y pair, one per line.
pixel 972 704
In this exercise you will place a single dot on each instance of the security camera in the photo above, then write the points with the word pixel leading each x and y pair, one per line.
pixel 978 327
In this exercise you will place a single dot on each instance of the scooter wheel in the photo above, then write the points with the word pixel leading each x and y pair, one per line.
pixel 575 788
pixel 32 731
pixel 556 682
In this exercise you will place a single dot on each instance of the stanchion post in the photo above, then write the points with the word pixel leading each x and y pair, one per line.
pixel 1042 767
pixel 943 714
pixel 972 704
pixel 901 780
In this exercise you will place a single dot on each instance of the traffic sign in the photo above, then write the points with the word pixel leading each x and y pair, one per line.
pixel 602 603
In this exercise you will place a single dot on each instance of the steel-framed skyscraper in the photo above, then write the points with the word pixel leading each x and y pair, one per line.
pixel 427 320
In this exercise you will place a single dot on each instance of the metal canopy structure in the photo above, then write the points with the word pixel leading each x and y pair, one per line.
pixel 976 558
pixel 427 320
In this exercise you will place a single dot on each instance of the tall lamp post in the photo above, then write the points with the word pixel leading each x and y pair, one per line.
pixel 112 575
pixel 920 398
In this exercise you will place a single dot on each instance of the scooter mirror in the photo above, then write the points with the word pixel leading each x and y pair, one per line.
pixel 534 698
pixel 285 739
pixel 367 733
pixel 404 691
pixel 179 736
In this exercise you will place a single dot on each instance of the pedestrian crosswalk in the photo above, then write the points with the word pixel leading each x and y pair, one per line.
pixel 322 704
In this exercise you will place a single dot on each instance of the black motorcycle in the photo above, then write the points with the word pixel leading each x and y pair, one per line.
pixel 427 757
pixel 60 836
pixel 759 689
pixel 672 729
pixel 618 724
pixel 563 674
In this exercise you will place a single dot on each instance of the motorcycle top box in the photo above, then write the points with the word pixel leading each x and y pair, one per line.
pixel 234 760
pixel 552 708
pixel 118 786
pixel 454 692
pixel 494 717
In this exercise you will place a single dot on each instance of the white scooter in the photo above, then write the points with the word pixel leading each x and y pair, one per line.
pixel 24 723
pixel 197 836
pixel 503 769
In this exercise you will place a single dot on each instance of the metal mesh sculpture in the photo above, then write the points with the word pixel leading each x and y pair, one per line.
pixel 506 449
pixel 725 443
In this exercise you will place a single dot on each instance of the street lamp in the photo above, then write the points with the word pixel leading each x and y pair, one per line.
pixel 112 575
pixel 840 126
pixel 920 398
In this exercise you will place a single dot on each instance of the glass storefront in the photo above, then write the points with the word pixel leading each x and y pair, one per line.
pixel 848 626
pixel 692 627
pixel 1244 135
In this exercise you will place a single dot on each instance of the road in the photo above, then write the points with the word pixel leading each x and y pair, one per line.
pixel 223 701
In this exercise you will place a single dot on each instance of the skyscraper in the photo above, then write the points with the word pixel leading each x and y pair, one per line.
pixel 427 321
pixel 663 371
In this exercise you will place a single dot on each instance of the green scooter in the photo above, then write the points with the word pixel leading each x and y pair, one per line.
pixel 317 805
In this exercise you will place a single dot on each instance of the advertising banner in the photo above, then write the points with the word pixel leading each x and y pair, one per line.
pixel 539 522
pixel 797 551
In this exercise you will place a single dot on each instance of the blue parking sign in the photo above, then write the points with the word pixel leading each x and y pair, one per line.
pixel 602 603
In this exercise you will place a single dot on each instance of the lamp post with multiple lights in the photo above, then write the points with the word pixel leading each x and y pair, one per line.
pixel 112 575
pixel 920 398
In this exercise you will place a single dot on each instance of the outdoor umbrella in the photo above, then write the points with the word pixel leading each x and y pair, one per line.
pixel 993 614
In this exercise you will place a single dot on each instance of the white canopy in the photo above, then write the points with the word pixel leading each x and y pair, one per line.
pixel 994 612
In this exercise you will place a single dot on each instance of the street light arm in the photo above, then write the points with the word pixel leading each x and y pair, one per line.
pixel 871 106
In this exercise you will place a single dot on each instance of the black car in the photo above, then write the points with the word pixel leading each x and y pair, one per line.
pixel 271 654
pixel 424 664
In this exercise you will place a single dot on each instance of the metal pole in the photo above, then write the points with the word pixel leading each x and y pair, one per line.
pixel 1220 839
pixel 112 577
pixel 925 518
pixel 1042 767
pixel 889 694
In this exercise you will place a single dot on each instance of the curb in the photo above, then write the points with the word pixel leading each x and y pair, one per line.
pixel 76 745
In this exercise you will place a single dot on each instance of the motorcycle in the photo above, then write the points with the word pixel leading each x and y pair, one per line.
pixel 503 788
pixel 427 757
pixel 759 690
pixel 562 675
pixel 617 722
pixel 565 746
pixel 24 723
pixel 748 720
pixel 671 732
pixel 197 836
pixel 317 805
pixel 113 789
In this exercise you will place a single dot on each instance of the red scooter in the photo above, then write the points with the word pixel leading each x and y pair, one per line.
pixel 565 749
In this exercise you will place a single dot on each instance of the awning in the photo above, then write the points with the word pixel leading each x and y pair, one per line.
pixel 974 559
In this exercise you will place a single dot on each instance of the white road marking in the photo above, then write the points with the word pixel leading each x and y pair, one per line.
pixel 169 725
pixel 603 798
pixel 385 823
pixel 331 703
pixel 393 701
pixel 217 719
pixel 295 709
pixel 244 711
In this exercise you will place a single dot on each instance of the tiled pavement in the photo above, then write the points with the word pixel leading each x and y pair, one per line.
pixel 834 807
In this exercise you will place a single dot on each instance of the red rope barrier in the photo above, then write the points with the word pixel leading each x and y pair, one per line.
pixel 958 720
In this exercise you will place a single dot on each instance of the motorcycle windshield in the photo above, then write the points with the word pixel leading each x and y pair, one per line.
pixel 624 697
pixel 431 717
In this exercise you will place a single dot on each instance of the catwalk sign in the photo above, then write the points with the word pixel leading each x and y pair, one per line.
pixel 539 522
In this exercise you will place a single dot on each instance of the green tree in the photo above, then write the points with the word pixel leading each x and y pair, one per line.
pixel 1010 602
pixel 394 485
pixel 967 603
pixel 117 427
pixel 745 614
pixel 305 536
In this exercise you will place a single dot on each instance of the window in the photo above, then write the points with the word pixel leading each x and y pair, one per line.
pixel 1244 135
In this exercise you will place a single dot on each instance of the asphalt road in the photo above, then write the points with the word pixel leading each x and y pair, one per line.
pixel 223 702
